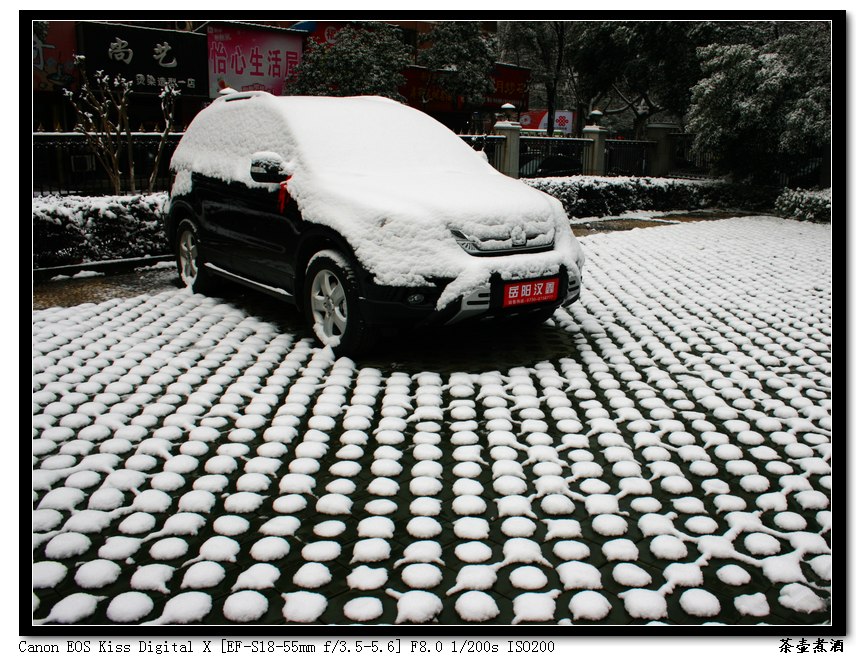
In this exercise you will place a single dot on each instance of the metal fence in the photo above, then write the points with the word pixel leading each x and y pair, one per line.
pixel 627 157
pixel 809 168
pixel 551 156
pixel 64 164
pixel 688 162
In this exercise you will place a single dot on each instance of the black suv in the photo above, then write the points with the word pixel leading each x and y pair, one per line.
pixel 364 213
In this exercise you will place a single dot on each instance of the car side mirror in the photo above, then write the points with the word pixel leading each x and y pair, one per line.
pixel 268 168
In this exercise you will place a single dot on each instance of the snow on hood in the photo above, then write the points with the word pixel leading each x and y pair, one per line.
pixel 390 179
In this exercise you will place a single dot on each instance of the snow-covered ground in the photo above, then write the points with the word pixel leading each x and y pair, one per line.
pixel 191 463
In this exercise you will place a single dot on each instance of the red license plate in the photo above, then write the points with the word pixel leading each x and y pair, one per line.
pixel 530 292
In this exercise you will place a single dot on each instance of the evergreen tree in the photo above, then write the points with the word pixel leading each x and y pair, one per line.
pixel 461 60
pixel 638 69
pixel 364 59
pixel 762 104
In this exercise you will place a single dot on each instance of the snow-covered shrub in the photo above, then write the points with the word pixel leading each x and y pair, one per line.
pixel 76 229
pixel 601 196
pixel 805 205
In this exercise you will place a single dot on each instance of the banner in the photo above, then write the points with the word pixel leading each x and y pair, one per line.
pixel 536 119
pixel 250 59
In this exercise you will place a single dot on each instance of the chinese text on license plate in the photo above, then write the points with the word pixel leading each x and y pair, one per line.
pixel 526 293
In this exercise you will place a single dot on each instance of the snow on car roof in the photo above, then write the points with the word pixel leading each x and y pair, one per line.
pixel 354 133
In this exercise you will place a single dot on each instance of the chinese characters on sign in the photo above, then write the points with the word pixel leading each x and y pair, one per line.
pixel 119 50
pixel 148 58
pixel 250 60
pixel 525 293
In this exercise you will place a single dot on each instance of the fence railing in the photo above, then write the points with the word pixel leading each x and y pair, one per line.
pixel 64 164
pixel 687 160
pixel 627 157
pixel 539 156
pixel 809 168
pixel 543 156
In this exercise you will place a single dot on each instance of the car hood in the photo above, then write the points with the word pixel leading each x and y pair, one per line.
pixel 400 224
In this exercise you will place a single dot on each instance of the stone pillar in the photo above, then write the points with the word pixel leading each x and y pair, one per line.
pixel 511 157
pixel 593 163
pixel 661 156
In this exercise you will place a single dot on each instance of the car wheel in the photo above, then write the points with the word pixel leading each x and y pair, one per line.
pixel 332 305
pixel 190 263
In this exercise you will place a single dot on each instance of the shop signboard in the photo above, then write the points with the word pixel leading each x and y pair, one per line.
pixel 421 90
pixel 149 58
pixel 249 59
pixel 511 86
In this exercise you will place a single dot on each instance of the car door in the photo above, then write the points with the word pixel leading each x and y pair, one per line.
pixel 251 231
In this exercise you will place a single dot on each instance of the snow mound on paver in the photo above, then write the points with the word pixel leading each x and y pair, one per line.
pixel 699 354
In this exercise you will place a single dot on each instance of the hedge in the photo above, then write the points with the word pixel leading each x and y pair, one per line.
pixel 805 205
pixel 584 196
pixel 76 229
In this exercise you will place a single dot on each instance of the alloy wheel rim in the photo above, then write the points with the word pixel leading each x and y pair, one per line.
pixel 329 304
pixel 188 251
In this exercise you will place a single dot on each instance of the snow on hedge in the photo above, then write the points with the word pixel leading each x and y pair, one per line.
pixel 584 196
pixel 76 229
pixel 805 205
pixel 663 454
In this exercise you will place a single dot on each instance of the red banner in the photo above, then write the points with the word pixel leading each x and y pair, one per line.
pixel 54 48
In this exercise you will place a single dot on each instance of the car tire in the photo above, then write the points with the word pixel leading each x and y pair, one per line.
pixel 332 305
pixel 190 263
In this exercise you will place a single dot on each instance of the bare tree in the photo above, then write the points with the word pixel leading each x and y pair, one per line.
pixel 102 116
pixel 167 98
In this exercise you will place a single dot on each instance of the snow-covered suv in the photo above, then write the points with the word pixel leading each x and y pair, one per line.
pixel 365 213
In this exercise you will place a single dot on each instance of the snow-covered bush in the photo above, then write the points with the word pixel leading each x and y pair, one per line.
pixel 602 196
pixel 76 229
pixel 805 205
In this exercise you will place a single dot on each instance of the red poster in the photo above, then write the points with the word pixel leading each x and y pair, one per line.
pixel 53 53
pixel 250 60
